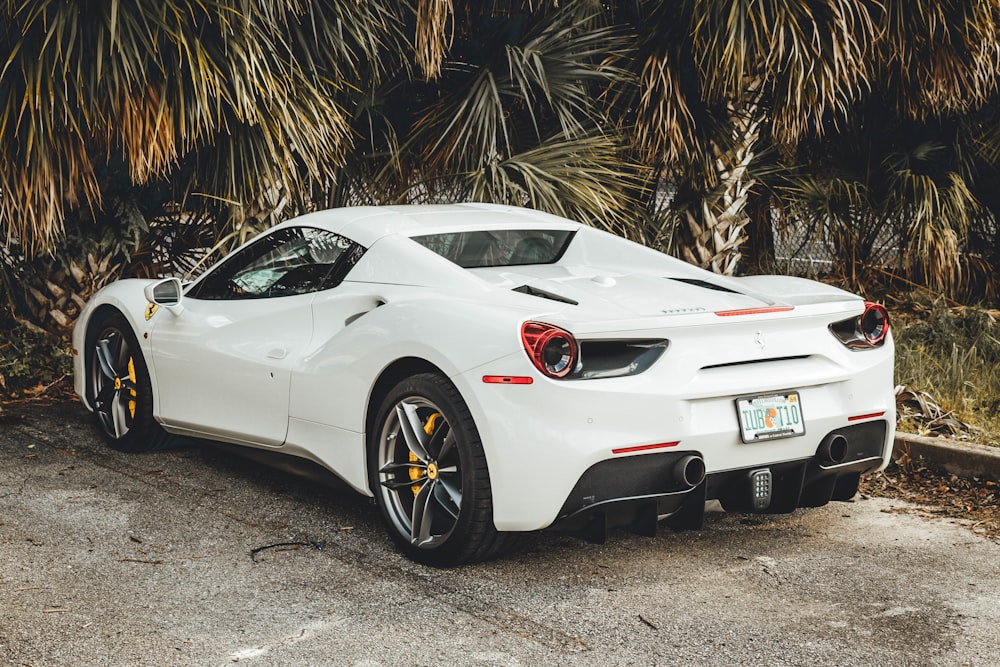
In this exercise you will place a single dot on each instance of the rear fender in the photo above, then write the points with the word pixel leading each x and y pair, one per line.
pixel 333 385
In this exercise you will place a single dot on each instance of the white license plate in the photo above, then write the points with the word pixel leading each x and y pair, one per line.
pixel 770 417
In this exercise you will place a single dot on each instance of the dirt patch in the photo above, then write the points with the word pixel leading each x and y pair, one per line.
pixel 973 502
pixel 16 403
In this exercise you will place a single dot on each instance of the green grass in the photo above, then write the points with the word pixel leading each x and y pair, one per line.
pixel 951 357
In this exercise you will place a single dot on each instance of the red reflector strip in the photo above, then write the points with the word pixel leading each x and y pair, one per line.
pixel 872 415
pixel 507 379
pixel 754 311
pixel 642 448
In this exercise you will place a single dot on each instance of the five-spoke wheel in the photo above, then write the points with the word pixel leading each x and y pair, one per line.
pixel 112 381
pixel 419 470
pixel 118 387
pixel 429 474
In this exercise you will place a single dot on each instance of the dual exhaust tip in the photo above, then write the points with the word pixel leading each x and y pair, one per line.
pixel 690 470
pixel 833 449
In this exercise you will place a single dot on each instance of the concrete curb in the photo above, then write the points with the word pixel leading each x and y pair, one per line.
pixel 965 459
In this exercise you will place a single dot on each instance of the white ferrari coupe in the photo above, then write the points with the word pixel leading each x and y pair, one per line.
pixel 487 370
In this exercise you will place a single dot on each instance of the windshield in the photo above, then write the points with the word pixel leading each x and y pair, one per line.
pixel 504 247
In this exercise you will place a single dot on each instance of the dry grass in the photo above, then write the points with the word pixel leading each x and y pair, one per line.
pixel 948 368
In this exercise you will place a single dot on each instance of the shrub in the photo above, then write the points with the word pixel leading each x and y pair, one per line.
pixel 30 359
pixel 953 354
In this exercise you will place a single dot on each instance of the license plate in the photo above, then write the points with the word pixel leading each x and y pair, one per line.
pixel 769 417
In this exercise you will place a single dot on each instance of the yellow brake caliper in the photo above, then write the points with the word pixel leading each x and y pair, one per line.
pixel 416 472
pixel 131 389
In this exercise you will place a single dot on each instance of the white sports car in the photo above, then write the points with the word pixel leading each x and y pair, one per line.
pixel 486 370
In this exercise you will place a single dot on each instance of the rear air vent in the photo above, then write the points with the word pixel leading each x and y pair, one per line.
pixel 534 291
pixel 704 284
pixel 755 361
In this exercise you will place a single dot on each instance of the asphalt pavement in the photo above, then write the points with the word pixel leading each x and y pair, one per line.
pixel 196 556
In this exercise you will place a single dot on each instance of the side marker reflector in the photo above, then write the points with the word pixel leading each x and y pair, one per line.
pixel 507 379
pixel 871 415
pixel 643 448
pixel 754 311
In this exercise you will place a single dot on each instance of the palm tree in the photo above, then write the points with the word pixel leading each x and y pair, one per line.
pixel 734 97
pixel 220 98
pixel 714 81
pixel 506 107
pixel 665 120
pixel 114 116
pixel 912 167
pixel 896 192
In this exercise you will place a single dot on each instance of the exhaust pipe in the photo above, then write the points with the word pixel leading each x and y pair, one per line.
pixel 833 449
pixel 690 471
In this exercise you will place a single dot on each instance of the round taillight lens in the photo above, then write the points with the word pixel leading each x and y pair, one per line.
pixel 874 323
pixel 552 350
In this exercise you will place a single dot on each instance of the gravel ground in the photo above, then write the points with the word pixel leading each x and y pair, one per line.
pixel 166 559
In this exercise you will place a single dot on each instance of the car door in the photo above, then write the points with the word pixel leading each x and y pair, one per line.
pixel 224 363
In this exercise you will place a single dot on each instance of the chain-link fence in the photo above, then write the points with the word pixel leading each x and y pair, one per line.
pixel 814 251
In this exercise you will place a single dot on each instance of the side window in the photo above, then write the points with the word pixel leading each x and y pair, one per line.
pixel 294 260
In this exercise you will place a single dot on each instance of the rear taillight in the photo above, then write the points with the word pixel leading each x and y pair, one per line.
pixel 552 350
pixel 874 324
pixel 866 331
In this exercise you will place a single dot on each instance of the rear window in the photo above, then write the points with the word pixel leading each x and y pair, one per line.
pixel 505 247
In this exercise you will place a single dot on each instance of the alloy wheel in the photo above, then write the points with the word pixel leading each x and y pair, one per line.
pixel 420 472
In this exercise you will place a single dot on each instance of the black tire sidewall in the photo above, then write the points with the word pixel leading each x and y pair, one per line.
pixel 476 495
pixel 145 433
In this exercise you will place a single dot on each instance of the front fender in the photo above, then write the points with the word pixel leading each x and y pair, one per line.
pixel 126 297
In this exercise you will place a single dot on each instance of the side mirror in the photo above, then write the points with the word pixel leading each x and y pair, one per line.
pixel 167 293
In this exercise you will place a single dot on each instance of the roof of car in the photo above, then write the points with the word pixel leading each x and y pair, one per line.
pixel 367 224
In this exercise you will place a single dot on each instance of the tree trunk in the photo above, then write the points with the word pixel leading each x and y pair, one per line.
pixel 760 258
pixel 712 234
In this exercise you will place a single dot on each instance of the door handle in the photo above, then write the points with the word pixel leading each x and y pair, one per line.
pixel 277 353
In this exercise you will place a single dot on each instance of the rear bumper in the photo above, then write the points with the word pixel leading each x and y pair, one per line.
pixel 541 439
pixel 640 493
pixel 811 482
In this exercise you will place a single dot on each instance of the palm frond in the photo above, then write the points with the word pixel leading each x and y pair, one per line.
pixel 584 178
pixel 550 73
pixel 939 214
pixel 658 101
pixel 156 82
pixel 433 35
pixel 940 57
pixel 811 59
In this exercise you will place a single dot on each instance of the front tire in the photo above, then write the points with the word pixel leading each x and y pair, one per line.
pixel 119 389
pixel 428 472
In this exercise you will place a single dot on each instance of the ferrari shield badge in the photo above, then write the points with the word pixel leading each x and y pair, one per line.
pixel 151 310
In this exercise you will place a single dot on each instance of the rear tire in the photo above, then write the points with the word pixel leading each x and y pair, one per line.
pixel 119 389
pixel 427 469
